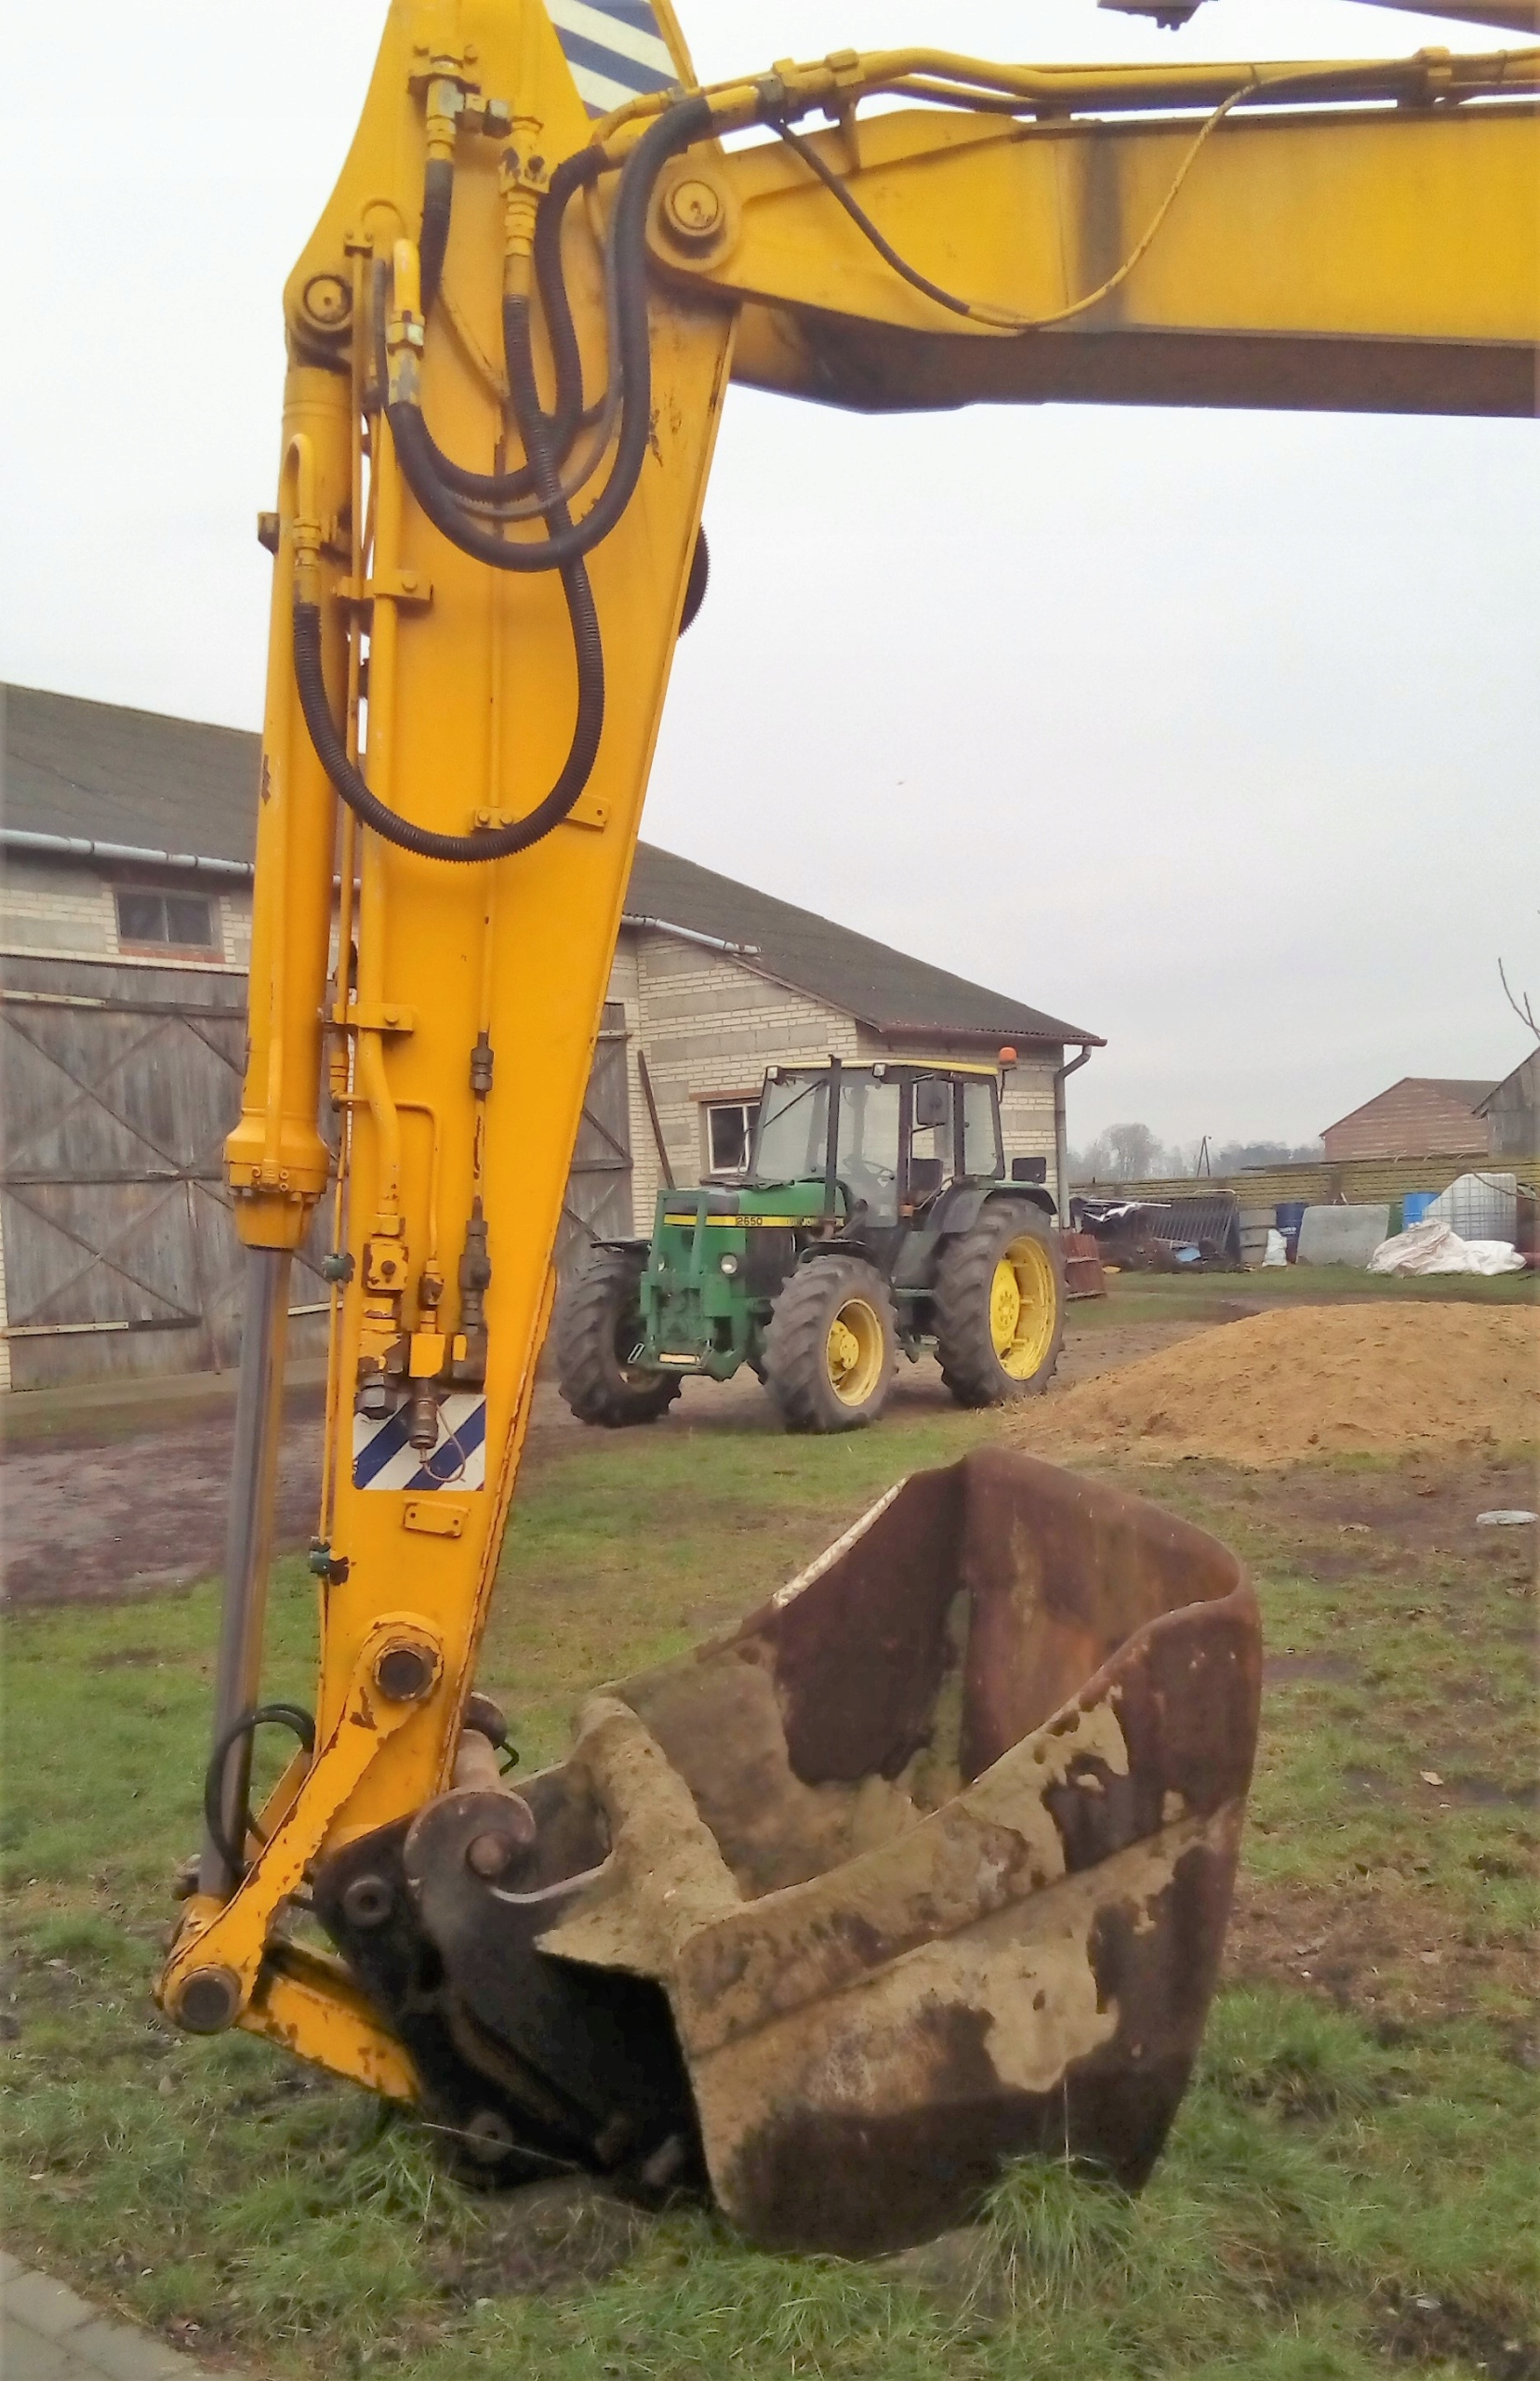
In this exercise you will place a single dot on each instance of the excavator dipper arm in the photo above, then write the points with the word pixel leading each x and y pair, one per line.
pixel 510 340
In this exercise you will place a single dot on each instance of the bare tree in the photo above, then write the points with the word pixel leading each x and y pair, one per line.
pixel 1135 1153
pixel 1520 1003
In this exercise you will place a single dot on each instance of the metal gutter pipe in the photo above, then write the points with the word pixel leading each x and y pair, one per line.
pixel 688 934
pixel 85 848
pixel 1061 1159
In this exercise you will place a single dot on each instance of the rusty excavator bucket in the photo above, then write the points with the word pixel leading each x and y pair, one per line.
pixel 925 1867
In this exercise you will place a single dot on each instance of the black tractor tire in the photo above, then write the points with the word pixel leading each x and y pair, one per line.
pixel 820 1383
pixel 969 1306
pixel 598 1323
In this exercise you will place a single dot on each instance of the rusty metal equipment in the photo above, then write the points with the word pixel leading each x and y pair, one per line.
pixel 925 1866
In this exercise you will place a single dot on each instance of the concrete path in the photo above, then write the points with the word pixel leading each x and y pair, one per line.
pixel 47 2334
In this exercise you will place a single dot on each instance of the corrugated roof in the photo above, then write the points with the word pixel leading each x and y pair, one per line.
pixel 72 767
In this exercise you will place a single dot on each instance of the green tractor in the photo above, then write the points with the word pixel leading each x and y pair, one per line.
pixel 876 1214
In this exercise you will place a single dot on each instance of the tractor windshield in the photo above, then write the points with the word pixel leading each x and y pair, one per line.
pixel 792 1138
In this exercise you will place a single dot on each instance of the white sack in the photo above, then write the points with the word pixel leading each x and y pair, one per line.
pixel 1432 1247
pixel 1278 1249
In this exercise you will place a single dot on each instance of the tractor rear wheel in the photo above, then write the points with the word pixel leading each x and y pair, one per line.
pixel 599 1333
pixel 831 1346
pixel 998 1308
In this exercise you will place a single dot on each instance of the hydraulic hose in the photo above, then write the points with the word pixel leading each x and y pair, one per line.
pixel 489 842
pixel 687 120
pixel 484 843
pixel 567 417
pixel 438 198
pixel 695 585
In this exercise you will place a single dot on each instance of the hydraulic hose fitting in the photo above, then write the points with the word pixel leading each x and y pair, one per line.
pixel 521 178
pixel 305 521
pixel 404 325
pixel 445 105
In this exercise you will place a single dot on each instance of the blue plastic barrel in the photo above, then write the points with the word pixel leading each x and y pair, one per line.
pixel 1414 1207
pixel 1289 1213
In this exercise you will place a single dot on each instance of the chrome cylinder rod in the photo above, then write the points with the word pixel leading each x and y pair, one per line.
pixel 248 1544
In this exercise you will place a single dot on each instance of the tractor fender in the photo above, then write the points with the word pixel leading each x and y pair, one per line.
pixel 958 1210
pixel 818 1252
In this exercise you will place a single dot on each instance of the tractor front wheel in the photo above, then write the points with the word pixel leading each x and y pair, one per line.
pixel 599 1335
pixel 999 1307
pixel 831 1346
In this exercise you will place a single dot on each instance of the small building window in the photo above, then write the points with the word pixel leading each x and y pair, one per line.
pixel 165 921
pixel 729 1135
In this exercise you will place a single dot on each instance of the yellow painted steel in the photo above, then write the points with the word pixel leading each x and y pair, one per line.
pixel 854 1351
pixel 1289 259
pixel 1023 1306
pixel 1385 257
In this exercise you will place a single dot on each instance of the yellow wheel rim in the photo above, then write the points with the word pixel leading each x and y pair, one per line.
pixel 854 1352
pixel 1023 1307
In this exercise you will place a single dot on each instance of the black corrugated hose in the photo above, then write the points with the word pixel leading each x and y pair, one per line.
pixel 490 843
pixel 564 548
pixel 570 175
pixel 687 120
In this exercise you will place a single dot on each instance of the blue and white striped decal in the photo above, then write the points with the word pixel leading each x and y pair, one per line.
pixel 615 48
pixel 383 1459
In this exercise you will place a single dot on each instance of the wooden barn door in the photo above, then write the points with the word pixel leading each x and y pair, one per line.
pixel 598 1202
pixel 120 1255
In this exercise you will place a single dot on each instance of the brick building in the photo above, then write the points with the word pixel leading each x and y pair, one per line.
pixel 1420 1116
pixel 125 933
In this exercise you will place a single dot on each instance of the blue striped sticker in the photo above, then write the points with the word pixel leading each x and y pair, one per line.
pixel 383 1459
pixel 615 48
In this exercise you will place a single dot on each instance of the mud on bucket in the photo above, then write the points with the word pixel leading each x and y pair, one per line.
pixel 925 1867
pixel 933 1856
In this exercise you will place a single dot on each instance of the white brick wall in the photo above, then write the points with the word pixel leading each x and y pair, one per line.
pixel 64 910
pixel 71 913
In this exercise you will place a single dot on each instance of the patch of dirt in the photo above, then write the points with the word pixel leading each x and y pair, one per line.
pixel 99 1513
pixel 139 1516
pixel 1285 1387
pixel 552 2240
pixel 1328 1669
pixel 1421 2329
pixel 1374 1944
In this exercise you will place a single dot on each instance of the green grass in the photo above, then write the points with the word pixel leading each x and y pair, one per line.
pixel 1349 2147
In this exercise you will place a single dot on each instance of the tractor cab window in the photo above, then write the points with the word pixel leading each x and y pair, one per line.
pixel 788 1145
pixel 867 1161
pixel 981 1149
pixel 791 1144
pixel 931 1136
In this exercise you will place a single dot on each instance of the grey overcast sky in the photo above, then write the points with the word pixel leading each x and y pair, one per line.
pixel 1215 733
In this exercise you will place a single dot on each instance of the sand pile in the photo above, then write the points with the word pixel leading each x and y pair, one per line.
pixel 1306 1381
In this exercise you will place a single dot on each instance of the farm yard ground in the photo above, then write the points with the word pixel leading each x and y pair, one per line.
pixel 1349 2187
pixel 121 1490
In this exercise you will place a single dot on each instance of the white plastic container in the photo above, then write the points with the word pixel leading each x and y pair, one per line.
pixel 1480 1206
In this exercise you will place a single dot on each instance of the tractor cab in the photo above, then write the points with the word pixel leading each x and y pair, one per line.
pixel 901 1137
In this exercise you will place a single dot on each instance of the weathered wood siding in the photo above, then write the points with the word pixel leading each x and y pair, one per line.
pixel 598 1202
pixel 1513 1113
pixel 117 1087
